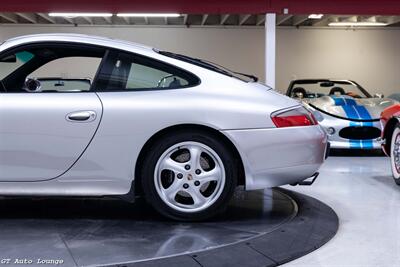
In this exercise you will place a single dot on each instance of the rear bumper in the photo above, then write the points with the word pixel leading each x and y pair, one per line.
pixel 279 156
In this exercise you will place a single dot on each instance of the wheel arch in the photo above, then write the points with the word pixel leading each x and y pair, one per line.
pixel 388 133
pixel 185 127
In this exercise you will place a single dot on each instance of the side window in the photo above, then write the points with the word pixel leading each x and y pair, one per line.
pixel 50 67
pixel 68 74
pixel 125 71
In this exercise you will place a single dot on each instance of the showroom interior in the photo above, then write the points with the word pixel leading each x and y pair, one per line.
pixel 346 214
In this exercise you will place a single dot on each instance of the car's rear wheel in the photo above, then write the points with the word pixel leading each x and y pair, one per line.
pixel 395 154
pixel 189 176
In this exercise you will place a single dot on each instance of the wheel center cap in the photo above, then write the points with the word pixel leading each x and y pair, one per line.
pixel 189 177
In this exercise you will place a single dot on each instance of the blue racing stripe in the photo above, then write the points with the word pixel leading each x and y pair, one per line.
pixel 351 112
pixel 339 101
pixel 347 105
pixel 354 143
pixel 350 102
pixel 354 111
pixel 364 115
pixel 368 144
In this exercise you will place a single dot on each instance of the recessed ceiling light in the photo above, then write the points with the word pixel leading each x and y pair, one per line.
pixel 74 15
pixel 155 15
pixel 357 24
pixel 315 16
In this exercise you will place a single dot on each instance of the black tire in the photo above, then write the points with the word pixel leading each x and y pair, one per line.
pixel 154 153
pixel 395 172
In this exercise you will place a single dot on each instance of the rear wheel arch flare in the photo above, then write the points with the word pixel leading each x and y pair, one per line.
pixel 185 127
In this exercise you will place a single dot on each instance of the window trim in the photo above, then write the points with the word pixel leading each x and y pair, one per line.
pixel 113 53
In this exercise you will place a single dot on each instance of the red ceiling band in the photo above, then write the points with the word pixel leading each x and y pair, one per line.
pixel 372 7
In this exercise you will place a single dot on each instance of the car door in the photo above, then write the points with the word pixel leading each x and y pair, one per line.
pixel 43 133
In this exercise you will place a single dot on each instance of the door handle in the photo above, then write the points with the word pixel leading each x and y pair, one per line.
pixel 81 116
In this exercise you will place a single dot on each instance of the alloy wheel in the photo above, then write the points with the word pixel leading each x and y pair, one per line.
pixel 189 177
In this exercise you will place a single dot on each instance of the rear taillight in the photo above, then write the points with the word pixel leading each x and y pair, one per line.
pixel 294 117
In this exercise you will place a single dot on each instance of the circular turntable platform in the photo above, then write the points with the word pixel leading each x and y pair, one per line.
pixel 260 228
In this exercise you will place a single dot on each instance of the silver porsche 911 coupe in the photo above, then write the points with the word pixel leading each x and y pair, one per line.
pixel 180 131
pixel 348 113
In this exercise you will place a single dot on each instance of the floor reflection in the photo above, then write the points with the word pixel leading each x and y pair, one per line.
pixel 94 232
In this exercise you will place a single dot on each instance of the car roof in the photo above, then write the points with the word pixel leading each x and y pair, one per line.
pixel 76 38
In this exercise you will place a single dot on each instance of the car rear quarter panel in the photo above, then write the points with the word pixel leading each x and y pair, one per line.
pixel 131 118
pixel 279 156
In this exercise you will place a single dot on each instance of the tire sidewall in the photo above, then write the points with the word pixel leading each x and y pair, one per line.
pixel 396 174
pixel 167 141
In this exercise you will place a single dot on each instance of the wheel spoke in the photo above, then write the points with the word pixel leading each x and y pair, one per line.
pixel 173 189
pixel 195 154
pixel 198 199
pixel 213 175
pixel 170 164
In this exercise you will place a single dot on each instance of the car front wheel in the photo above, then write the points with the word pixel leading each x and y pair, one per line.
pixel 189 176
pixel 395 154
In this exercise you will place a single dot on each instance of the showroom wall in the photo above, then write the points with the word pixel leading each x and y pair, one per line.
pixel 370 57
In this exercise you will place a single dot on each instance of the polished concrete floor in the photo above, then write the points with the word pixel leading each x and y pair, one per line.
pixel 361 191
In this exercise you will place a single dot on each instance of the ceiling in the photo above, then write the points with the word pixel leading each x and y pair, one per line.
pixel 371 7
pixel 203 20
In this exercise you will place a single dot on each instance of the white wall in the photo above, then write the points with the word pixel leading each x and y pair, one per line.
pixel 370 57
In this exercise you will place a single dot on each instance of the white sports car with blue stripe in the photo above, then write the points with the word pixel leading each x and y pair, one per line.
pixel 348 113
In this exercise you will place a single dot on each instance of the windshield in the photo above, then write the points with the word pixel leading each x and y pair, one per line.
pixel 211 66
pixel 64 85
pixel 315 89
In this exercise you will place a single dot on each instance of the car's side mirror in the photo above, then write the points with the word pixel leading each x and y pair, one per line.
pixel 379 96
pixel 32 85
